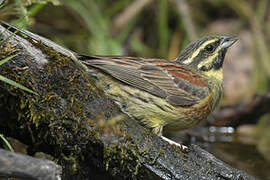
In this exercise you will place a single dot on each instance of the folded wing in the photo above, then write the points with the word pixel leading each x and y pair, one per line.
pixel 162 78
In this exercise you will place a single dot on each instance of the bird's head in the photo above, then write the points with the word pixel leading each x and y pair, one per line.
pixel 206 55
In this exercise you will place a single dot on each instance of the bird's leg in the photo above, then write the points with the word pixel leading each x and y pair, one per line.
pixel 183 147
pixel 158 131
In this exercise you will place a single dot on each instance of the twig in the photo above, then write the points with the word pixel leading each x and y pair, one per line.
pixel 243 9
pixel 243 113
pixel 129 12
pixel 184 10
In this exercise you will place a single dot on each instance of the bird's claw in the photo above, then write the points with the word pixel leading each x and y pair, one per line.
pixel 182 147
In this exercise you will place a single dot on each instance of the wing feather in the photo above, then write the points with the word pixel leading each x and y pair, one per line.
pixel 162 78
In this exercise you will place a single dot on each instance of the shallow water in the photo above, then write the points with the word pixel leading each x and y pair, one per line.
pixel 240 153
pixel 243 157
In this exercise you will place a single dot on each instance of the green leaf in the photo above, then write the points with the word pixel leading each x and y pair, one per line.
pixel 11 35
pixel 31 2
pixel 7 58
pixel 163 29
pixel 13 83
pixel 6 142
pixel 1 3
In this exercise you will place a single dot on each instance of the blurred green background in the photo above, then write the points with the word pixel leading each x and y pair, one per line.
pixel 160 29
pixel 156 28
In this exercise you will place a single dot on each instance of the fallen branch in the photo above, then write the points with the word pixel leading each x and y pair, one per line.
pixel 245 113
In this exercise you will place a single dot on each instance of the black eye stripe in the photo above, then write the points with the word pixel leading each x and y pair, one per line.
pixel 211 47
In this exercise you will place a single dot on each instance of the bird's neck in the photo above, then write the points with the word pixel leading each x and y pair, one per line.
pixel 216 75
pixel 216 86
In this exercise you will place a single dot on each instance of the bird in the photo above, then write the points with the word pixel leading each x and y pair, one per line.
pixel 162 94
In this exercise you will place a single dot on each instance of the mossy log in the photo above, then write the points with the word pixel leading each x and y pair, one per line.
pixel 79 126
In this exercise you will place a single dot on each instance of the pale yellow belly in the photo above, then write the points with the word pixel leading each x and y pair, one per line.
pixel 150 110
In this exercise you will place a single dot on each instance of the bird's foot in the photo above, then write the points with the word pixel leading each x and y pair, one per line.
pixel 183 147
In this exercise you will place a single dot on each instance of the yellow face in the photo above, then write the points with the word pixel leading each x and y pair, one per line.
pixel 209 60
pixel 206 55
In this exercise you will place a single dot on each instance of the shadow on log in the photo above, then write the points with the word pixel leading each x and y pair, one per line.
pixel 85 131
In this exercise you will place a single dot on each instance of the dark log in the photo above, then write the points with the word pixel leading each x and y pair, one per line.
pixel 26 167
pixel 83 129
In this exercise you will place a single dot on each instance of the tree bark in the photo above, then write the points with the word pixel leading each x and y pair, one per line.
pixel 77 124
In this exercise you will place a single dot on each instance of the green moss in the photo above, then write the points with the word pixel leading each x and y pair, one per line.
pixel 60 119
pixel 8 48
pixel 124 157
pixel 57 116
pixel 127 159
pixel 74 165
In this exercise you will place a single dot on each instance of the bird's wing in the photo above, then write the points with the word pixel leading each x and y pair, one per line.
pixel 162 78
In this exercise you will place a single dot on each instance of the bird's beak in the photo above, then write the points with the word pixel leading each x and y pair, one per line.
pixel 228 41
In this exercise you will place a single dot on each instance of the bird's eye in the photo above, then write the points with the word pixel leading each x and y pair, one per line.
pixel 209 48
pixel 204 68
